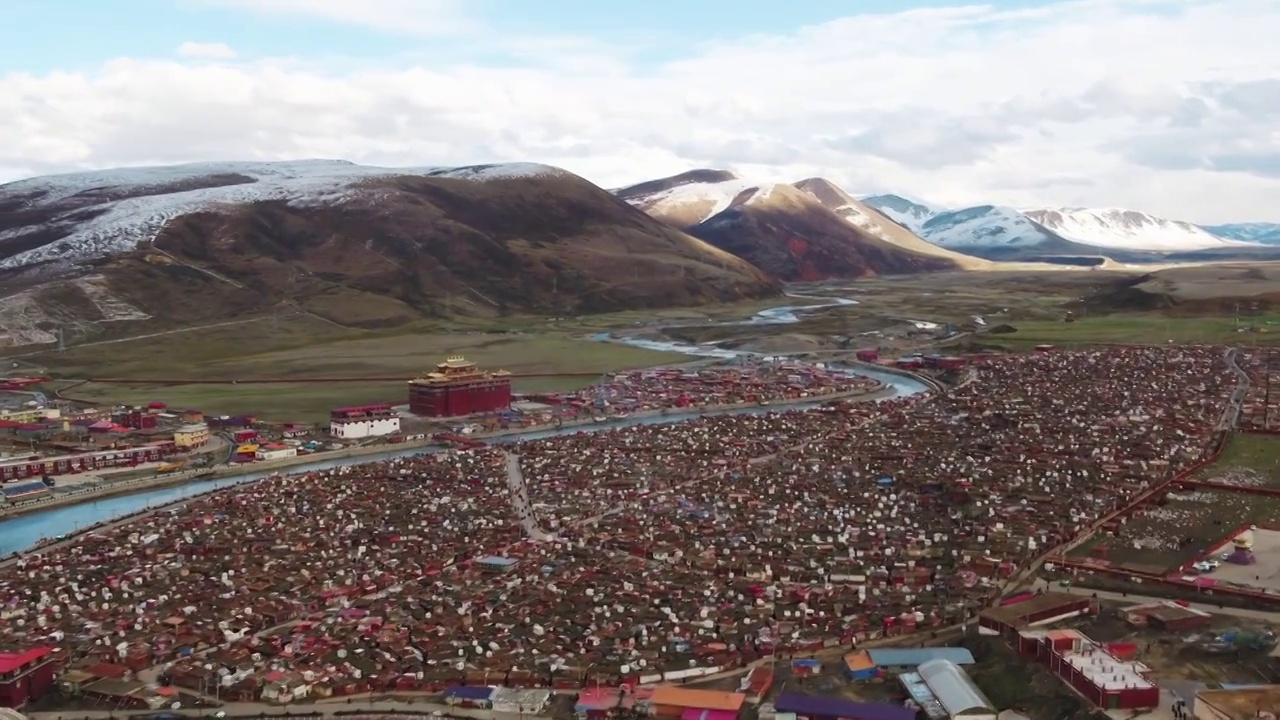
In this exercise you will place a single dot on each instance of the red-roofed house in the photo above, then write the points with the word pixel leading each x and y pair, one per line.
pixel 25 676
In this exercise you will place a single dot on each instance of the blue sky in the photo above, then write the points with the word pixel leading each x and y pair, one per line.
pixel 46 35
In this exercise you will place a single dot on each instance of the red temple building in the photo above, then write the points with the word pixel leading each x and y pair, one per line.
pixel 25 676
pixel 457 387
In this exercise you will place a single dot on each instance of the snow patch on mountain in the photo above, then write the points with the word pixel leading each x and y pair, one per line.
pixel 697 201
pixel 1261 233
pixel 112 307
pixel 1118 229
pixel 113 211
pixel 983 226
pixel 862 220
pixel 911 214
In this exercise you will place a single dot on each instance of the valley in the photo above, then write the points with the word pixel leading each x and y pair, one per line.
pixel 441 360
pixel 640 441
pixel 952 312
pixel 94 258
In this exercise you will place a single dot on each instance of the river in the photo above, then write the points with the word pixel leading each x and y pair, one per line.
pixel 22 532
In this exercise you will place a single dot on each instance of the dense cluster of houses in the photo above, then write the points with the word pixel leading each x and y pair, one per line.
pixel 733 382
pixel 699 545
pixel 1260 410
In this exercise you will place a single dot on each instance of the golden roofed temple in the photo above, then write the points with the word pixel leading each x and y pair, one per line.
pixel 457 387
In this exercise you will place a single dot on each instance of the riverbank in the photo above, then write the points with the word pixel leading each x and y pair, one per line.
pixel 140 485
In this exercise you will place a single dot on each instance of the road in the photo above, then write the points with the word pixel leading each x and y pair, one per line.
pixel 520 504
pixel 1262 615
pixel 1231 418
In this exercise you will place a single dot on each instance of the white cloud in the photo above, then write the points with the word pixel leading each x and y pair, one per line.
pixel 206 51
pixel 410 17
pixel 1161 105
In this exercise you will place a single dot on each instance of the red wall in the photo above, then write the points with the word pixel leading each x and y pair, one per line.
pixel 31 686
pixel 452 401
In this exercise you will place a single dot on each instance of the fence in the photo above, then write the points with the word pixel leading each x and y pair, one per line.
pixel 1182 479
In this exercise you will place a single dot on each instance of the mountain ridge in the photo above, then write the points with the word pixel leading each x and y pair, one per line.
pixel 778 226
pixel 1257 232
pixel 1007 233
pixel 367 247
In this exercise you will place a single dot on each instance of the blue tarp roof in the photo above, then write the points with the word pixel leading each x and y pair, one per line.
pixel 911 657
pixel 469 692
pixel 497 560
pixel 26 488
pixel 814 705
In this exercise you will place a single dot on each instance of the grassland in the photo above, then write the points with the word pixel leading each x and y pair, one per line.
pixel 1247 458
pixel 1143 328
pixel 302 347
pixel 1034 304
pixel 280 402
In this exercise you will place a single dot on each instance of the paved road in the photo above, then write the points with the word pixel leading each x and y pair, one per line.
pixel 520 504
pixel 1263 615
pixel 1231 418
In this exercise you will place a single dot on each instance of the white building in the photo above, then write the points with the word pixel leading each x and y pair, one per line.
pixel 362 422
pixel 275 452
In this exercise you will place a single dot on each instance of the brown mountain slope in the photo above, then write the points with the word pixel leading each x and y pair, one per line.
pixel 788 233
pixel 778 228
pixel 872 221
pixel 384 249
pixel 686 199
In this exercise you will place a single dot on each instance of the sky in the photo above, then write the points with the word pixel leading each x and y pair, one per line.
pixel 1165 106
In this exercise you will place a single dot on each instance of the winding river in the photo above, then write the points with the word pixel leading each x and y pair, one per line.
pixel 24 531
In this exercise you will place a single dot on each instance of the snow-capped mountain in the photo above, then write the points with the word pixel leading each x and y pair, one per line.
pixel 1007 233
pixel 356 246
pixel 693 197
pixel 874 222
pixel 1117 229
pixel 984 226
pixel 1262 233
pixel 911 214
pixel 98 214
pixel 805 231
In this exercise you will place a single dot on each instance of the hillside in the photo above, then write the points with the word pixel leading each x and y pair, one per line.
pixel 355 245
pixel 1264 233
pixel 1125 230
pixel 866 218
pixel 1243 290
pixel 1075 234
pixel 784 230
pixel 907 213
pixel 789 233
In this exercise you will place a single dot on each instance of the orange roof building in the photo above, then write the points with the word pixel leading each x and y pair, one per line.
pixel 672 701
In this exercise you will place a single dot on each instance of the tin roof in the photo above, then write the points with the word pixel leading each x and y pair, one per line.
pixel 469 692
pixel 954 688
pixel 823 706
pixel 10 661
pixel 911 657
pixel 697 714
pixel 701 699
